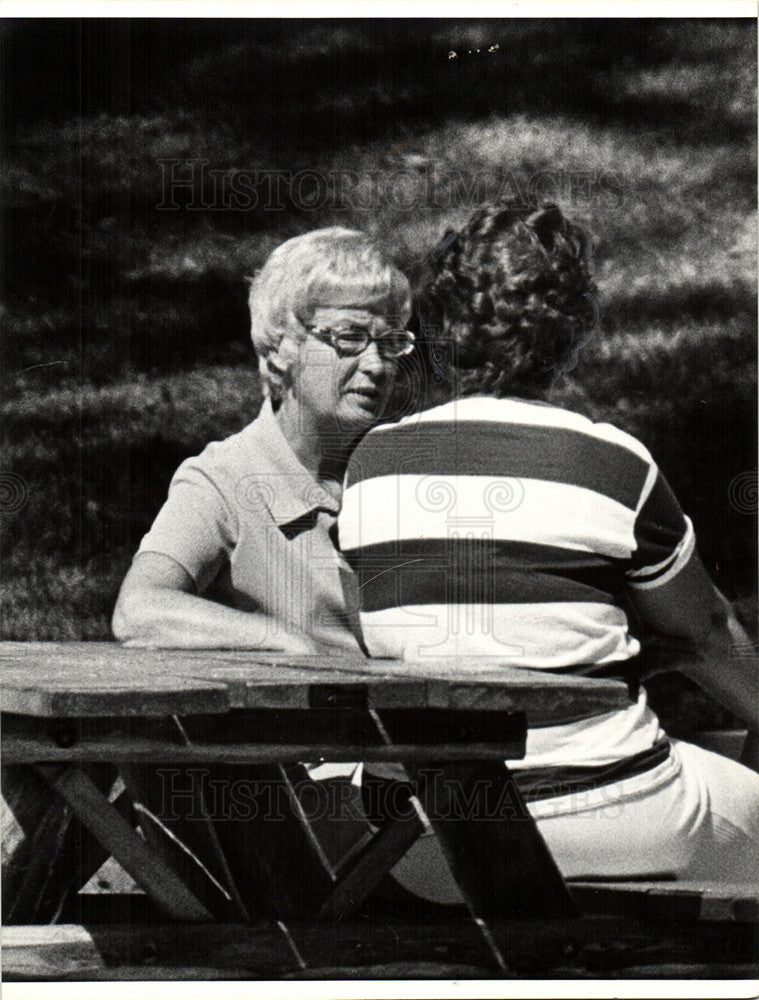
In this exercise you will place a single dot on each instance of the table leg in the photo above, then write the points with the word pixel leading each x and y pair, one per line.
pixel 173 815
pixel 127 847
pixel 364 871
pixel 275 845
pixel 491 842
pixel 40 837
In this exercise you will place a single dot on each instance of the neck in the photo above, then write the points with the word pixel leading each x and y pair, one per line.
pixel 324 451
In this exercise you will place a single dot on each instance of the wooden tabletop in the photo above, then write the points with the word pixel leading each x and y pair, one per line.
pixel 55 680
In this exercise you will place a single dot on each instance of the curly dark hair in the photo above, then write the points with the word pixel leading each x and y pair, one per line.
pixel 509 300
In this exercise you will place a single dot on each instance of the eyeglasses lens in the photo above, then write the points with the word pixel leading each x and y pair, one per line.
pixel 394 343
pixel 353 340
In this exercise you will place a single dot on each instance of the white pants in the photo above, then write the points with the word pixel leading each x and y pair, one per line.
pixel 695 816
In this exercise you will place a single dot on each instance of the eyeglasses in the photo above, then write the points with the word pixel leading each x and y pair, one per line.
pixel 350 341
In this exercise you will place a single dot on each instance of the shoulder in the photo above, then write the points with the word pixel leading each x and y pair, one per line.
pixel 221 464
pixel 531 413
pixel 484 436
pixel 484 414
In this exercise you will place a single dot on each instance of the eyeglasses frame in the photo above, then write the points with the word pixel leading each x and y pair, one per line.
pixel 329 335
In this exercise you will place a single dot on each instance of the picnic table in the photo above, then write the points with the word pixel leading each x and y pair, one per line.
pixel 94 734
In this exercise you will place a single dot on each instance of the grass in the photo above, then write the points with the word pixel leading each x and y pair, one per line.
pixel 125 345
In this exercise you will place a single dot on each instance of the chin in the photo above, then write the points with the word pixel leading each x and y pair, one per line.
pixel 357 416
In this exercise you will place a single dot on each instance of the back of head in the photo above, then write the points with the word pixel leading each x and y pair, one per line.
pixel 509 300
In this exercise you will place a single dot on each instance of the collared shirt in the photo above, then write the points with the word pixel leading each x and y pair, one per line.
pixel 253 528
pixel 507 529
pixel 504 531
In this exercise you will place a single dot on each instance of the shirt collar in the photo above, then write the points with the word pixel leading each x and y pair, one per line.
pixel 288 489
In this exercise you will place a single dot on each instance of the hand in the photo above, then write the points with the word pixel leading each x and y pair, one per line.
pixel 296 644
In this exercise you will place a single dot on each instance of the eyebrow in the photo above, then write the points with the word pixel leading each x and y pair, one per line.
pixel 344 309
pixel 365 319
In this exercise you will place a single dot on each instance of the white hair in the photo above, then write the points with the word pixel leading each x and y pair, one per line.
pixel 337 267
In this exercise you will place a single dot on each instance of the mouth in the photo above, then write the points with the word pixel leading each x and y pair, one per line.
pixel 368 394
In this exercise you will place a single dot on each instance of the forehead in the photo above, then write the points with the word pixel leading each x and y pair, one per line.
pixel 366 313
pixel 363 292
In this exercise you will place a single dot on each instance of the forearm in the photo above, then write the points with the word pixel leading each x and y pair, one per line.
pixel 719 664
pixel 155 616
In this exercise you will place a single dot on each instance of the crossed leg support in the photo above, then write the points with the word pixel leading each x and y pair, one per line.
pixel 491 843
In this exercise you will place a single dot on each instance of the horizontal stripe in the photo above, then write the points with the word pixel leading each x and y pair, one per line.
pixel 652 572
pixel 541 636
pixel 480 571
pixel 466 585
pixel 659 528
pixel 667 572
pixel 478 448
pixel 411 506
pixel 519 411
pixel 519 555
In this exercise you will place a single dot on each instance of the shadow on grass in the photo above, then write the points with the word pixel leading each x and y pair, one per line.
pixel 319 83
pixel 390 76
pixel 703 302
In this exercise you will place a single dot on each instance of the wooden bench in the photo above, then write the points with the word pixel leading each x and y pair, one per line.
pixel 109 729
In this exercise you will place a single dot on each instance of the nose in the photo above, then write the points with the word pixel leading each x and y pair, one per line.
pixel 372 362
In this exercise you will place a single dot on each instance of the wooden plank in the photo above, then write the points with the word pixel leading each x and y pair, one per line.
pixel 132 749
pixel 184 838
pixel 34 828
pixel 671 900
pixel 547 698
pixel 128 973
pixel 69 951
pixel 259 951
pixel 330 814
pixel 333 721
pixel 46 852
pixel 265 685
pixel 138 699
pixel 278 865
pixel 586 947
pixel 89 679
pixel 366 870
pixel 118 837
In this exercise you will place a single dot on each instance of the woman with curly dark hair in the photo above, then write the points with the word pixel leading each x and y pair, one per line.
pixel 495 525
pixel 514 296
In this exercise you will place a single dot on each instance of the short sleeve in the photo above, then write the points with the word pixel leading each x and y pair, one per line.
pixel 194 526
pixel 664 538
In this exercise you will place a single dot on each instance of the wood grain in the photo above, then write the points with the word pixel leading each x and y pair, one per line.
pixel 138 750
pixel 577 948
pixel 117 836
pixel 104 679
pixel 668 901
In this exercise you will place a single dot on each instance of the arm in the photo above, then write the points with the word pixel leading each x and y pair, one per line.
pixel 192 537
pixel 689 607
pixel 157 606
pixel 673 595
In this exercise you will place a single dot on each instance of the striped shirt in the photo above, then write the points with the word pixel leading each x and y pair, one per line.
pixel 509 530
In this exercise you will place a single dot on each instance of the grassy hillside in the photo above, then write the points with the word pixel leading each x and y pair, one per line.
pixel 125 343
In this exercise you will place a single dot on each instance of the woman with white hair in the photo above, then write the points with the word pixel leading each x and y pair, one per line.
pixel 241 555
